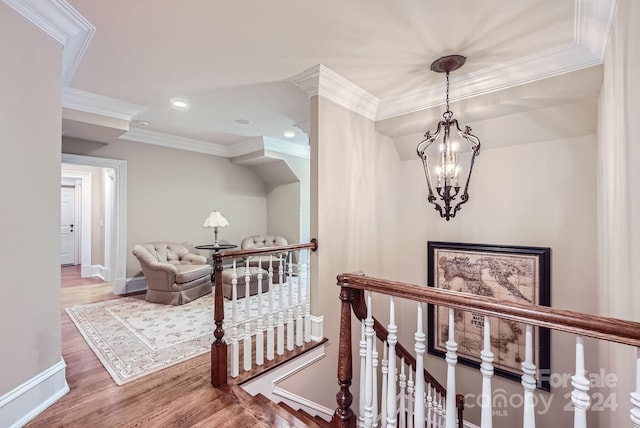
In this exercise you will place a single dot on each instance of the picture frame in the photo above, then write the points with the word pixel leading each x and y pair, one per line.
pixel 514 273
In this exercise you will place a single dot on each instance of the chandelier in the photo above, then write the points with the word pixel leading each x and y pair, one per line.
pixel 448 153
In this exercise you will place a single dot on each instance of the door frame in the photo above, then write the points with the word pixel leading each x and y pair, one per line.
pixel 81 180
pixel 116 259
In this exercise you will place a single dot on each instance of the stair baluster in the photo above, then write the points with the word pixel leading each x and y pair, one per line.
pixel 270 320
pixel 304 275
pixel 235 351
pixel 402 415
pixel 385 380
pixel 246 349
pixel 392 339
pixel 290 307
pixel 410 400
pixel 363 373
pixel 486 368
pixel 528 381
pixel 281 310
pixel 260 322
pixel 580 394
pixel 368 386
pixel 375 386
pixel 452 359
pixel 635 396
pixel 418 419
pixel 299 310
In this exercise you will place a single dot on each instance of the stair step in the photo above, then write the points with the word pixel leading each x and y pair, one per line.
pixel 269 412
pixel 321 421
pixel 302 415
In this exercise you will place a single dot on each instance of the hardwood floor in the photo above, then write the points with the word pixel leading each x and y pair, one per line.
pixel 179 396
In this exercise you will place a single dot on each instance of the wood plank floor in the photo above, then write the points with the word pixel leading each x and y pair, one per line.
pixel 179 396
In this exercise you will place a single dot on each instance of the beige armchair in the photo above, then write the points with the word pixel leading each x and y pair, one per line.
pixel 174 275
pixel 262 241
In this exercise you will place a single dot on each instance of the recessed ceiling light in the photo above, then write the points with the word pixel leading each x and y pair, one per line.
pixel 141 123
pixel 242 121
pixel 180 103
pixel 289 134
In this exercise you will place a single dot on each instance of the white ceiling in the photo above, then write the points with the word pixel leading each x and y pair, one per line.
pixel 255 59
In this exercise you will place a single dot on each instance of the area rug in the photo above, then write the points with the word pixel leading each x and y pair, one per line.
pixel 133 338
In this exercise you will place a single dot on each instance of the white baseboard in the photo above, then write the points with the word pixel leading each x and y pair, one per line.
pixel 86 271
pixel 99 271
pixel 267 384
pixel 130 285
pixel 317 328
pixel 25 402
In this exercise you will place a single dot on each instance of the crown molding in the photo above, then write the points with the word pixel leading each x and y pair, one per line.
pixel 59 20
pixel 321 80
pixel 239 149
pixel 89 102
pixel 287 148
pixel 174 142
pixel 593 20
pixel 245 147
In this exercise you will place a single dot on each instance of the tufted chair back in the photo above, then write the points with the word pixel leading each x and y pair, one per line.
pixel 165 252
pixel 261 241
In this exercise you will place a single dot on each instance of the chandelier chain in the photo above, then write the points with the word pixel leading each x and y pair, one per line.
pixel 447 114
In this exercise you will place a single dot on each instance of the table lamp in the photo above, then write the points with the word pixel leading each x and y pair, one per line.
pixel 215 220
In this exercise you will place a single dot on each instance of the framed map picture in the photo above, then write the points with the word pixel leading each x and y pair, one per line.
pixel 518 274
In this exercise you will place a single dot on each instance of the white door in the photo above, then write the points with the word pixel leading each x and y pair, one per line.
pixel 67 226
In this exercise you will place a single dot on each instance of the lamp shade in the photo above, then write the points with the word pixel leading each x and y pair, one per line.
pixel 215 219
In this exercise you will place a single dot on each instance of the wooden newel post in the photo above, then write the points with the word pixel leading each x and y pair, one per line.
pixel 343 416
pixel 460 407
pixel 219 346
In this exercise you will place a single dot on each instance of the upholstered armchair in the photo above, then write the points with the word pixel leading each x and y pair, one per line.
pixel 262 241
pixel 174 275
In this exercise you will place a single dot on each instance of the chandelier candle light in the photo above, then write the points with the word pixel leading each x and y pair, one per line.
pixel 448 153
pixel 215 220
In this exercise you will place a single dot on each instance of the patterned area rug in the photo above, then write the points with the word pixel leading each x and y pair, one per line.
pixel 133 338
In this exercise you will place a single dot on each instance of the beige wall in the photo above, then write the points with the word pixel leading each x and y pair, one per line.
pixel 288 203
pixel 619 207
pixel 30 81
pixel 283 212
pixel 354 176
pixel 170 193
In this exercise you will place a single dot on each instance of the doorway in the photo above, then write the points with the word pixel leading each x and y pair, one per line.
pixel 113 222
pixel 68 219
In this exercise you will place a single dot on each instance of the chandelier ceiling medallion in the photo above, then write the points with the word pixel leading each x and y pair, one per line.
pixel 448 153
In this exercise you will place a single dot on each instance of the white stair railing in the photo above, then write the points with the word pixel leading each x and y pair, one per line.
pixel 256 315
pixel 429 408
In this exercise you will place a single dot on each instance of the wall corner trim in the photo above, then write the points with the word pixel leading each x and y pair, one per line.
pixel 25 402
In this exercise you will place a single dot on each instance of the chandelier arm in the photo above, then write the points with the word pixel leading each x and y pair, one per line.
pixel 425 164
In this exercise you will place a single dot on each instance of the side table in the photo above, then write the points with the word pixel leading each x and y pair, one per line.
pixel 215 249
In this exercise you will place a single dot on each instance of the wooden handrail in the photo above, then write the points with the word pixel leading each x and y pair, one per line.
pixel 313 245
pixel 219 362
pixel 605 328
